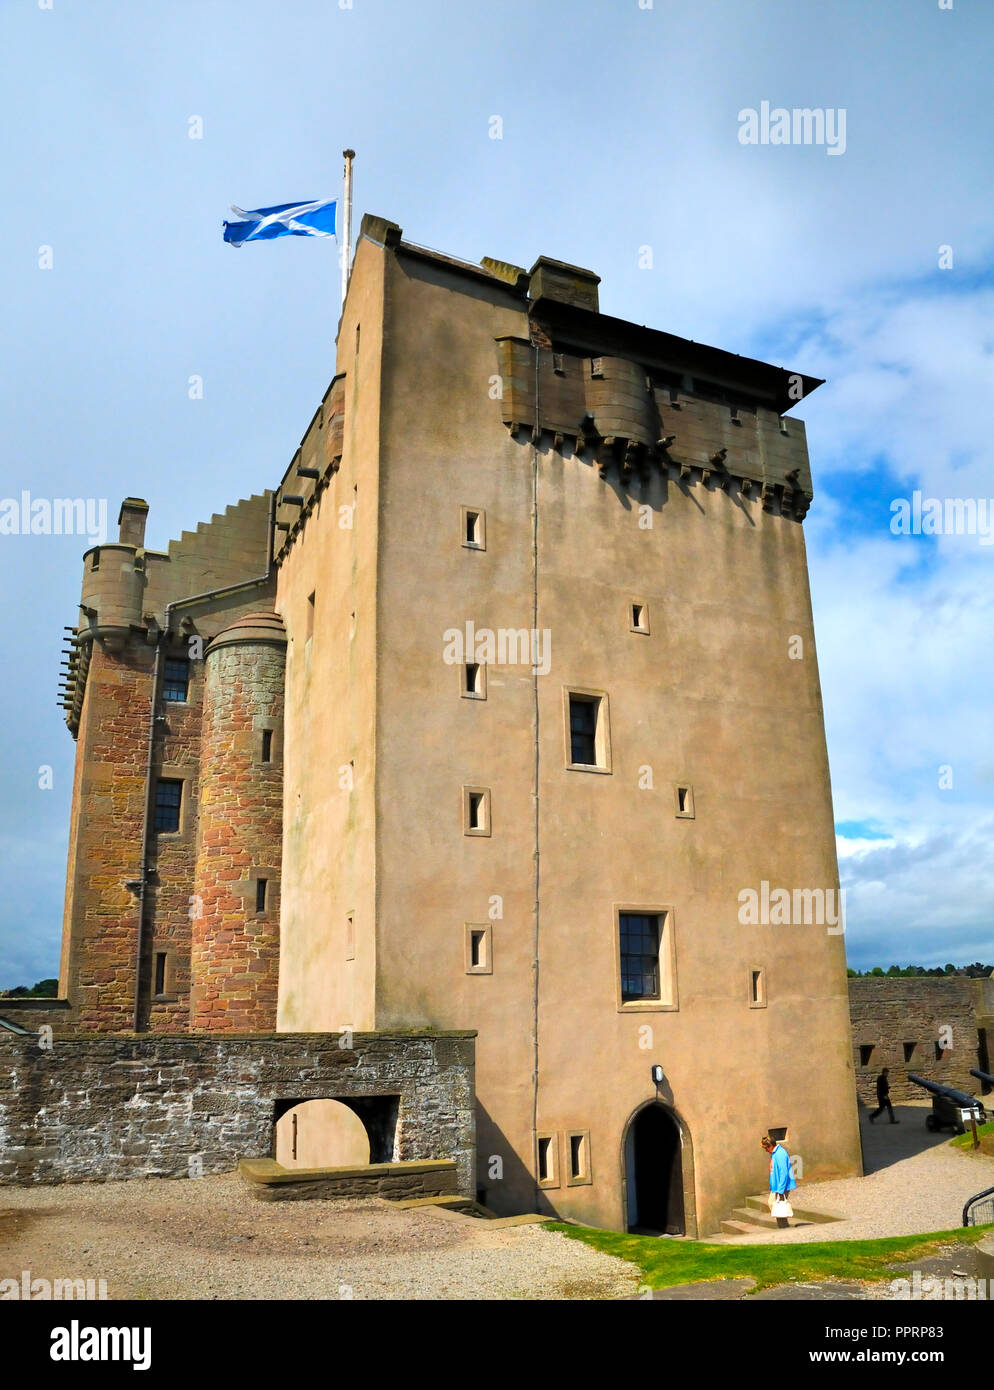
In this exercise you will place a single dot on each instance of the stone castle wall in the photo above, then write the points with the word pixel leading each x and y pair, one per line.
pixel 98 1108
pixel 887 1014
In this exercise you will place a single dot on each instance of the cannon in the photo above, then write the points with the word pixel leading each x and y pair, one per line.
pixel 950 1107
pixel 984 1076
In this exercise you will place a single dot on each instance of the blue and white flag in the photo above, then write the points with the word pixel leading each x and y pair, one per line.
pixel 289 219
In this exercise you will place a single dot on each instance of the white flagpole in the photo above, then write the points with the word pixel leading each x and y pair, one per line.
pixel 347 221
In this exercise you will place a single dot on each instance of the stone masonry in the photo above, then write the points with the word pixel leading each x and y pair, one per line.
pixel 901 1019
pixel 100 1107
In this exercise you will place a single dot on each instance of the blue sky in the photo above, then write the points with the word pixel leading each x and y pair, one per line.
pixel 619 131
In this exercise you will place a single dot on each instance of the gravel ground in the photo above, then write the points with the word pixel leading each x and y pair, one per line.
pixel 210 1239
pixel 914 1182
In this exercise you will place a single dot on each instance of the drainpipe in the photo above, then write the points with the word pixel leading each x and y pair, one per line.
pixel 154 717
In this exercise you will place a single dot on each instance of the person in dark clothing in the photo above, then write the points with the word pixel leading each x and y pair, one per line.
pixel 883 1099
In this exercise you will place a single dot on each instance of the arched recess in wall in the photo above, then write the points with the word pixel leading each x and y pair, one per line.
pixel 335 1132
pixel 657 1167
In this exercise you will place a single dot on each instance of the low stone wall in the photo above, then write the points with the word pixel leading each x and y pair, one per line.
pixel 888 1013
pixel 102 1107
pixel 33 1013
pixel 395 1181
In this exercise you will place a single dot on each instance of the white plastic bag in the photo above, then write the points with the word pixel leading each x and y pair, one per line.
pixel 781 1207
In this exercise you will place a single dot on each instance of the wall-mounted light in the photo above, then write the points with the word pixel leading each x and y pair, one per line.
pixel 657 1074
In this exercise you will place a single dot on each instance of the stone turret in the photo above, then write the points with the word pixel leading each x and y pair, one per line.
pixel 234 960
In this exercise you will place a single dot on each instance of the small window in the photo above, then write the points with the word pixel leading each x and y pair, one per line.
pixel 176 680
pixel 757 988
pixel 559 363
pixel 474 528
pixel 267 745
pixel 578 1157
pixel 473 680
pixel 597 366
pixel 547 1160
pixel 350 936
pixel 261 886
pixel 95 563
pixel 168 799
pixel 684 801
pixel 160 972
pixel 865 1053
pixel 478 945
pixel 589 746
pixel 309 620
pixel 909 1051
pixel 476 810
pixel 639 616
pixel 778 1133
pixel 940 1051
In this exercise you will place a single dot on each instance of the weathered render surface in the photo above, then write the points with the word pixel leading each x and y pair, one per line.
pixel 653 477
pixel 110 1107
pixel 906 1022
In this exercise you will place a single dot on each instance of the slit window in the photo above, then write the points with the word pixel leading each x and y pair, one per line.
pixel 261 888
pixel 578 1157
pixel 474 528
pixel 548 1175
pixel 909 1051
pixel 309 620
pixel 160 972
pixel 350 936
pixel 478 948
pixel 267 745
pixel 168 800
pixel 474 680
pixel 639 616
pixel 684 796
pixel 476 810
pixel 176 679
pixel 865 1053
pixel 757 988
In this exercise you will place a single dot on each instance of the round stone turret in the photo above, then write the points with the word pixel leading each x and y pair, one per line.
pixel 234 957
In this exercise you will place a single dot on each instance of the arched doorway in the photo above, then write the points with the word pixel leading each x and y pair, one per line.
pixel 654 1173
pixel 321 1134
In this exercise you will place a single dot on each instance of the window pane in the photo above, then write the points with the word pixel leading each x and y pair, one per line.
pixel 639 934
pixel 167 803
pixel 582 731
pixel 176 680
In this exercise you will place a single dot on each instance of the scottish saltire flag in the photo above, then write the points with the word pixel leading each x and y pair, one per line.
pixel 289 219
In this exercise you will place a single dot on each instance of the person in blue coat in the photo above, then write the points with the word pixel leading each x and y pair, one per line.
pixel 782 1178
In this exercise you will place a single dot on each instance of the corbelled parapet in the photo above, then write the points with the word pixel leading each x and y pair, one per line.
pixel 318 457
pixel 634 417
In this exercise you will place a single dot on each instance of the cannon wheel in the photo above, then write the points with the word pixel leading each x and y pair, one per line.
pixel 931 1123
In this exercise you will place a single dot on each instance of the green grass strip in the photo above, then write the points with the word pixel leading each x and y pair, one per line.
pixel 667 1262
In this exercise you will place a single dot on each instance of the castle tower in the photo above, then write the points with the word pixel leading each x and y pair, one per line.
pixel 234 956
pixel 553 682
pixel 133 699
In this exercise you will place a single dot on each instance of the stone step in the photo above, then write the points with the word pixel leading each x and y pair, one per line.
pixel 760 1202
pixel 731 1227
pixel 756 1217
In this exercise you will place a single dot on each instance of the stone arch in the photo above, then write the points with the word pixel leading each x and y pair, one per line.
pixel 638 1141
pixel 328 1138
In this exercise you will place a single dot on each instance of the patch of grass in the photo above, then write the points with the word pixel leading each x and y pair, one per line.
pixel 667 1262
pixel 985 1133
